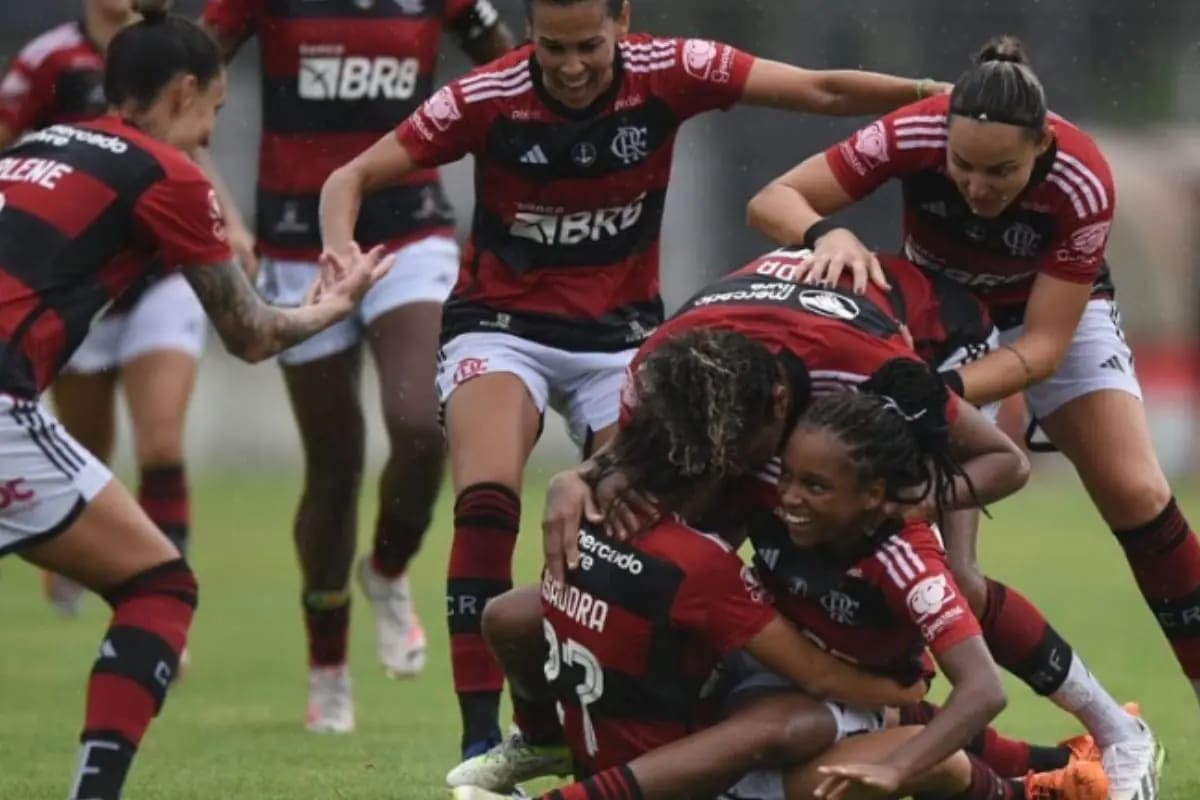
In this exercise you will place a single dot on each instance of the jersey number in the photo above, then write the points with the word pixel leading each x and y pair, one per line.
pixel 590 688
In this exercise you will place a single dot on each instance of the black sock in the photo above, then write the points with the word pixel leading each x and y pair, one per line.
pixel 480 711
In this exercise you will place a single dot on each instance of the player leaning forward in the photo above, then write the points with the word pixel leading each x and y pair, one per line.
pixel 559 283
pixel 84 209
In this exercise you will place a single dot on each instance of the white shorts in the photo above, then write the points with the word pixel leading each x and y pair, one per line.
pixel 745 675
pixel 424 272
pixel 167 317
pixel 46 477
pixel 1099 358
pixel 585 388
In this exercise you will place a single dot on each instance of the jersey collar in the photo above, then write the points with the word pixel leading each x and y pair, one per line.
pixel 578 114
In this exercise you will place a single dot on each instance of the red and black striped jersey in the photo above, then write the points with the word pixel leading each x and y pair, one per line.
pixel 635 634
pixel 879 607
pixel 564 246
pixel 83 211
pixel 57 77
pixel 1059 225
pixel 335 76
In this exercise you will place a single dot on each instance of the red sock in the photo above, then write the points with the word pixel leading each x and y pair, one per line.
pixel 163 495
pixel 1009 758
pixel 486 519
pixel 617 783
pixel 327 625
pixel 1022 641
pixel 1165 558
pixel 138 658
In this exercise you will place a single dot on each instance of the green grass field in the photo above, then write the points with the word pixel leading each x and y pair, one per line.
pixel 233 729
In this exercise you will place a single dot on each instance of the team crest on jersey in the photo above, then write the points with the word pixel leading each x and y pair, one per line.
pixel 829 304
pixel 840 607
pixel 871 144
pixel 1021 240
pixel 630 144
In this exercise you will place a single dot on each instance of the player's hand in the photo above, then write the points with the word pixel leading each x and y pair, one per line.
pixel 858 782
pixel 569 500
pixel 937 87
pixel 242 242
pixel 345 277
pixel 627 512
pixel 838 251
pixel 914 692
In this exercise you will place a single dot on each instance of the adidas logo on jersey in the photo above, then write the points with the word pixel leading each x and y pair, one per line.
pixel 535 155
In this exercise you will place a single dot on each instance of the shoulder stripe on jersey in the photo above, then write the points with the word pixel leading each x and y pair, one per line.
pixel 921 130
pixel 920 119
pixel 488 94
pixel 907 549
pixel 633 59
pixel 65 35
pixel 921 144
pixel 499 73
pixel 496 81
pixel 1082 175
pixel 1080 187
pixel 655 67
pixel 899 560
pixel 657 44
pixel 1070 192
pixel 883 558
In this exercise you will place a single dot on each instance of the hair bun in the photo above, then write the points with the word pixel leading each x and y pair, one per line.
pixel 1003 48
pixel 918 395
pixel 152 11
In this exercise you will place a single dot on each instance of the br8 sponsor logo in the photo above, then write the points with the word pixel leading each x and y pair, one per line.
pixel 358 78
pixel 577 227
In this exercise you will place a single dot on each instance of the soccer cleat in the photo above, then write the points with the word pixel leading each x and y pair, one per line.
pixel 1134 766
pixel 330 704
pixel 511 762
pixel 63 593
pixel 477 793
pixel 1080 780
pixel 399 637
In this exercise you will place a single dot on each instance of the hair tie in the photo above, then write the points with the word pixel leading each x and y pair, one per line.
pixel 891 404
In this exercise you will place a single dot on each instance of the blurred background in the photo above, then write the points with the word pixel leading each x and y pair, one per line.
pixel 1127 71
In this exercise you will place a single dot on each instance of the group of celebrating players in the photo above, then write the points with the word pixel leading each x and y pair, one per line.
pixel 831 406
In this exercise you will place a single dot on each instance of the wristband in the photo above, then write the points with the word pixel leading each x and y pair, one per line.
pixel 922 85
pixel 817 230
pixel 954 382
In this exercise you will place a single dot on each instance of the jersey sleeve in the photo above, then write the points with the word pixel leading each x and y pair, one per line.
pixel 446 127
pixel 908 140
pixel 25 97
pixel 918 586
pixel 1077 253
pixel 182 215
pixel 722 601
pixel 471 20
pixel 232 19
pixel 703 75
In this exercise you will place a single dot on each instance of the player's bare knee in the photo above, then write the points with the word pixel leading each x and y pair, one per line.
pixel 1133 499
pixel 160 446
pixel 418 442
pixel 511 620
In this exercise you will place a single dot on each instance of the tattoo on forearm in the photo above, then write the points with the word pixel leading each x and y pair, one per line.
pixel 249 327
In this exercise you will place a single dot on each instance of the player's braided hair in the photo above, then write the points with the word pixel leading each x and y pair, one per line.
pixel 144 57
pixel 896 429
pixel 699 396
pixel 1001 87
pixel 613 7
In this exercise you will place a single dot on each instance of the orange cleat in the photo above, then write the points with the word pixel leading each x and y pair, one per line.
pixel 1080 780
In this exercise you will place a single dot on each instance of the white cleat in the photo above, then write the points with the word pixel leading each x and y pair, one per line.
pixel 511 762
pixel 330 703
pixel 399 637
pixel 1133 766
pixel 63 593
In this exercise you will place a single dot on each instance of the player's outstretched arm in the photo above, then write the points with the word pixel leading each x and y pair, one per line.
pixel 382 164
pixel 253 330
pixel 784 650
pixel 836 92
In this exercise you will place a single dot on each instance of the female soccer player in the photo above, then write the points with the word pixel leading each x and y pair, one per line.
pixel 839 559
pixel 573 137
pixel 150 340
pixel 336 76
pixel 85 209
pixel 1016 203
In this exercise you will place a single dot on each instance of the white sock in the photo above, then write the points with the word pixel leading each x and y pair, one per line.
pixel 1082 696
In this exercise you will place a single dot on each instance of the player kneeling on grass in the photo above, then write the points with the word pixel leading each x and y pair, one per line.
pixel 85 210
pixel 631 623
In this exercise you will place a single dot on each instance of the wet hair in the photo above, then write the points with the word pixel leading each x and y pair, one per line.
pixel 896 429
pixel 613 7
pixel 1001 87
pixel 144 57
pixel 699 396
